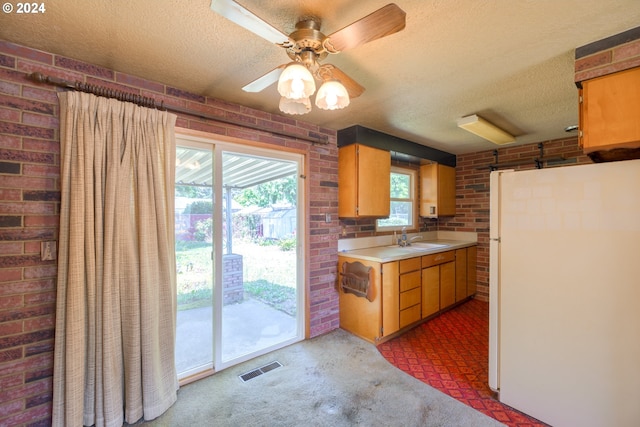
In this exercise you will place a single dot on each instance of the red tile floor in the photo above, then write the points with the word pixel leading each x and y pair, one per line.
pixel 451 354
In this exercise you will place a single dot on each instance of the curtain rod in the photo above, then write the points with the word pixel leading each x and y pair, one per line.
pixel 152 103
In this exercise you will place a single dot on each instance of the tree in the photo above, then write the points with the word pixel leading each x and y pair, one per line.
pixel 194 191
pixel 282 190
pixel 400 185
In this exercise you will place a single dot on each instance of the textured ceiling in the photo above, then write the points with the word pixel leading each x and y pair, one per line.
pixel 510 61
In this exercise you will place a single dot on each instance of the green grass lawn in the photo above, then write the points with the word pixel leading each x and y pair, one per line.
pixel 269 274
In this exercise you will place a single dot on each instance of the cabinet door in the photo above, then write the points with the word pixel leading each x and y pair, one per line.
pixel 472 264
pixel 437 190
pixel 374 182
pixel 347 181
pixel 461 274
pixel 430 291
pixel 446 190
pixel 447 284
pixel 609 111
pixel 364 181
pixel 390 298
pixel 358 315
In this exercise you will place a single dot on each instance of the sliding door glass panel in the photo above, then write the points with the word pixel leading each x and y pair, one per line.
pixel 194 261
pixel 260 289
pixel 239 253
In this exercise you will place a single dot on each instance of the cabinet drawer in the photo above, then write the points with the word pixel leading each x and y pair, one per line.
pixel 410 315
pixel 409 280
pixel 439 258
pixel 409 298
pixel 410 264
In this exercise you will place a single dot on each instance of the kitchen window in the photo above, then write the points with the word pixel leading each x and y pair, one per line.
pixel 403 201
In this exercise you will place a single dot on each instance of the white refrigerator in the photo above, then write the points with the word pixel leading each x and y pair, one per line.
pixel 564 342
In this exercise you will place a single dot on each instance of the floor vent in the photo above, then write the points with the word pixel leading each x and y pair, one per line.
pixel 259 371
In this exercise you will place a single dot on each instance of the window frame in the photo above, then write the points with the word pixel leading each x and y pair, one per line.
pixel 413 190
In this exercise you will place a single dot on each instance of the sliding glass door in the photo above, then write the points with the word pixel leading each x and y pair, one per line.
pixel 194 258
pixel 240 286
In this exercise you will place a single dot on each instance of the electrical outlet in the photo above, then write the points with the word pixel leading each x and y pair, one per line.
pixel 48 250
pixel 327 217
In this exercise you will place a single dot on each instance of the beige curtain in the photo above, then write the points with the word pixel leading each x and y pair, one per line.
pixel 116 300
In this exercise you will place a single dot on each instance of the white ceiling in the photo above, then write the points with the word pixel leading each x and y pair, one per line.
pixel 511 61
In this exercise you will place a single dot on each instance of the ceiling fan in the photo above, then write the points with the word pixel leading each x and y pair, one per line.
pixel 307 46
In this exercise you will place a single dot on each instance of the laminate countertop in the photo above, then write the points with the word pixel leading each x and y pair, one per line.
pixel 395 252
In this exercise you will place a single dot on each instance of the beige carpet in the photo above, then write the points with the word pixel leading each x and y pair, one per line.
pixel 333 380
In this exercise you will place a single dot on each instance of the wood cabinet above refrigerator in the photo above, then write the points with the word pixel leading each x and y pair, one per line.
pixel 364 182
pixel 610 111
pixel 437 190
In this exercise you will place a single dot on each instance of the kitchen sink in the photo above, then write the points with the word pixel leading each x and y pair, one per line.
pixel 426 245
pixel 419 246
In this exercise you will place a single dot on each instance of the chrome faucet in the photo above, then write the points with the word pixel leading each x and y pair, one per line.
pixel 403 240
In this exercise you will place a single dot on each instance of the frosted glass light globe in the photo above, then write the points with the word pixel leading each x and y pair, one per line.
pixel 296 82
pixel 332 95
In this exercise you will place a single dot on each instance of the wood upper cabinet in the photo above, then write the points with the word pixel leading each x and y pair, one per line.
pixel 437 190
pixel 610 111
pixel 364 182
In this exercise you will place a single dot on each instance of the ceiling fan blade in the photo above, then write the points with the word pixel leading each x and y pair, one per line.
pixel 265 81
pixel 383 22
pixel 353 87
pixel 243 17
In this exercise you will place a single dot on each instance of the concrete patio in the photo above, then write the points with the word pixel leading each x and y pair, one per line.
pixel 246 326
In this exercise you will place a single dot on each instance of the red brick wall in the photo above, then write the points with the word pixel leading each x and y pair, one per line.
pixel 29 205
pixel 611 55
pixel 472 191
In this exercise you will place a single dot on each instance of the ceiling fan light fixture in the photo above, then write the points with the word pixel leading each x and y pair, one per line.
pixel 332 95
pixel 296 82
pixel 485 129
pixel 295 106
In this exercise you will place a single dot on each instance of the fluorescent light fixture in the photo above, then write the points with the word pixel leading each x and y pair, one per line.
pixel 484 129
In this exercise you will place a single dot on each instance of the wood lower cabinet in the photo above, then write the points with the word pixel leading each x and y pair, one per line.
pixel 466 275
pixel 438 282
pixel 447 284
pixel 472 273
pixel 371 320
pixel 461 274
pixel 410 291
pixel 430 291
pixel 405 292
